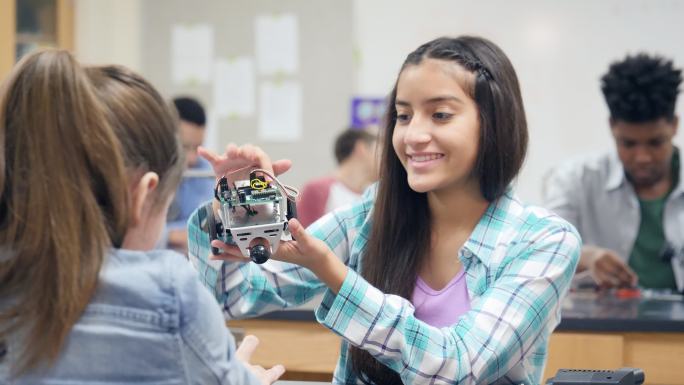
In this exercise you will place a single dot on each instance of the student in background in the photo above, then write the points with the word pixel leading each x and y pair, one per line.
pixel 90 161
pixel 194 188
pixel 629 205
pixel 356 169
pixel 441 275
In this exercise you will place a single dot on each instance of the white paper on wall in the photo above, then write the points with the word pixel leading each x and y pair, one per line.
pixel 234 87
pixel 280 111
pixel 211 135
pixel 277 44
pixel 192 53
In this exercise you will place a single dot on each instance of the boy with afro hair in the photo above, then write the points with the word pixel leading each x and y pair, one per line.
pixel 628 205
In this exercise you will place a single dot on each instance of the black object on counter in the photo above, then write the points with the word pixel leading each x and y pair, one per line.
pixel 623 376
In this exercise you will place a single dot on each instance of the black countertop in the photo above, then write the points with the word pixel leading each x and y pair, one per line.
pixel 591 311
pixel 605 311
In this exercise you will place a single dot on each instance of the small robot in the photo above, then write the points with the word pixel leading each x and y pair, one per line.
pixel 253 215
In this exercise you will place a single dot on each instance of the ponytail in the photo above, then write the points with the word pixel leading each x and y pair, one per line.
pixel 63 202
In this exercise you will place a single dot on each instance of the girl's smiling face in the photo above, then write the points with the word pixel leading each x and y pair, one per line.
pixel 437 131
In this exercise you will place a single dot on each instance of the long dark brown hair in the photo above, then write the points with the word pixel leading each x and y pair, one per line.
pixel 400 235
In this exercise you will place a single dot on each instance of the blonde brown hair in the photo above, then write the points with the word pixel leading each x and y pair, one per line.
pixel 62 177
pixel 144 123
pixel 72 141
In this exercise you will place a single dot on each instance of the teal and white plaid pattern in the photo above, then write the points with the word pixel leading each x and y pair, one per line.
pixel 519 261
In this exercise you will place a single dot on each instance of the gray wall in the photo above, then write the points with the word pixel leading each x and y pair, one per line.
pixel 325 68
pixel 560 50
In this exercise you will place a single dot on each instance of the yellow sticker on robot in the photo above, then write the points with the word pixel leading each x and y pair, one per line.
pixel 258 184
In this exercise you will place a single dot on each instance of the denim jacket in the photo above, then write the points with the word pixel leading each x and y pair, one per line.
pixel 150 322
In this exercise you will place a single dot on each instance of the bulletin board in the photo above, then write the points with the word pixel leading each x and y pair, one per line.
pixel 323 74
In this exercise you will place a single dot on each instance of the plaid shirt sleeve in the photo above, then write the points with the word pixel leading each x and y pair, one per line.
pixel 247 289
pixel 518 281
pixel 518 310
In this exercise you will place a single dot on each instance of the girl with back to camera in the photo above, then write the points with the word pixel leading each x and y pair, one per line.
pixel 441 275
pixel 89 162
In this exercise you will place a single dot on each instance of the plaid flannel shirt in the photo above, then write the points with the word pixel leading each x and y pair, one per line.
pixel 519 261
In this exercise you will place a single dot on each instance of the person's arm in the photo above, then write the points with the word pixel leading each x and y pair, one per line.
pixel 246 289
pixel 208 349
pixel 606 267
pixel 521 306
pixel 563 192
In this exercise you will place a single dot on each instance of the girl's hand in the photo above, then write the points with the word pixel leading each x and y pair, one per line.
pixel 304 250
pixel 244 353
pixel 314 254
pixel 244 157
pixel 230 253
pixel 236 164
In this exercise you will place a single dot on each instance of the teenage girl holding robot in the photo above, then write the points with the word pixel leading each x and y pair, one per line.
pixel 440 275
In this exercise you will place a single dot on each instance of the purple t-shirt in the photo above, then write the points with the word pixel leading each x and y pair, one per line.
pixel 443 307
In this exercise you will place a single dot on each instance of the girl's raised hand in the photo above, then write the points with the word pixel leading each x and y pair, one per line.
pixel 236 162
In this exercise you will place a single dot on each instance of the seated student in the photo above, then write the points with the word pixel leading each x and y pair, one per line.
pixel 629 205
pixel 90 160
pixel 356 170
pixel 193 189
pixel 443 275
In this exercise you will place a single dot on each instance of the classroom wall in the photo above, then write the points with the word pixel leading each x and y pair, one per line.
pixel 355 47
pixel 325 71
pixel 560 49
pixel 108 31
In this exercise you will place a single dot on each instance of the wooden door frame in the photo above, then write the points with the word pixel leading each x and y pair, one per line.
pixel 7 31
pixel 8 28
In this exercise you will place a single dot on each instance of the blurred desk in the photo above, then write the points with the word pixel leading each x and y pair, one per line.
pixel 597 331
pixel 602 331
pixel 308 350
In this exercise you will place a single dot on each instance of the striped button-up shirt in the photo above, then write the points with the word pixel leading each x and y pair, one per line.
pixel 518 261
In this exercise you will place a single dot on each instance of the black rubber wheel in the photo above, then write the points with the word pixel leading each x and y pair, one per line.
pixel 259 254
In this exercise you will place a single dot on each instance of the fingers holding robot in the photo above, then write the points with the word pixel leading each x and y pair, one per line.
pixel 253 214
